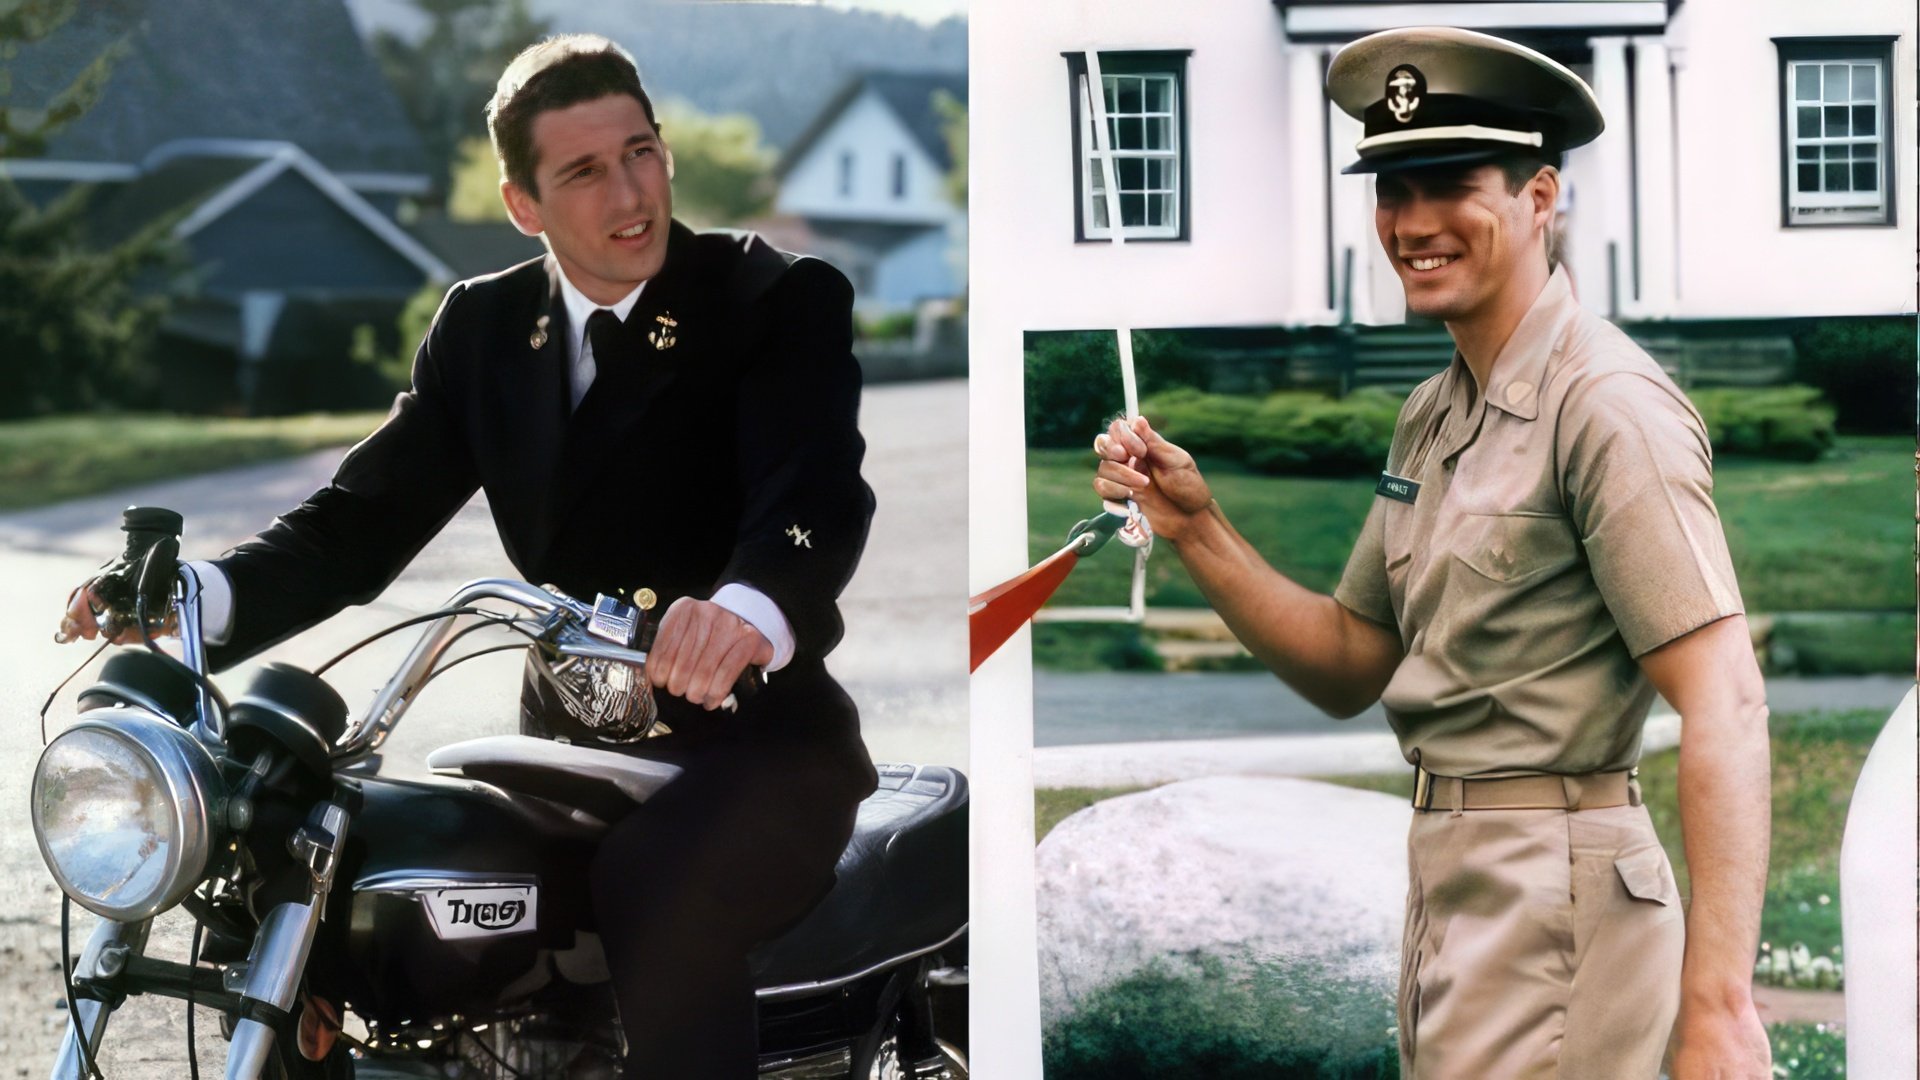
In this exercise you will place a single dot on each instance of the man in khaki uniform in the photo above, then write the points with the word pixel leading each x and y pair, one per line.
pixel 1542 556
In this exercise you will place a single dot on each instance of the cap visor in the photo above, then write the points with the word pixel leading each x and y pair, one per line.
pixel 1420 159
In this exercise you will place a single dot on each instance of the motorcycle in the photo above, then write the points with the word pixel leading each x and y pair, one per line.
pixel 449 915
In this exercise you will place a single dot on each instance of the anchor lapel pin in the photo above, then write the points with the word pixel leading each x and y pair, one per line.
pixel 663 338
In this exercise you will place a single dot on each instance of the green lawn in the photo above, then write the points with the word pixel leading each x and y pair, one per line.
pixel 64 457
pixel 1834 535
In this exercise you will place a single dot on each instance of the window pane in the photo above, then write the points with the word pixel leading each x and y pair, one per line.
pixel 1157 94
pixel 1113 132
pixel 1133 209
pixel 1807 153
pixel 1160 134
pixel 1099 213
pixel 1160 174
pixel 1865 86
pixel 1164 210
pixel 1837 86
pixel 1130 95
pixel 1809 178
pixel 1833 154
pixel 1806 82
pixel 1864 120
pixel 1866 151
pixel 1132 173
pixel 1836 177
pixel 1866 176
pixel 1809 122
pixel 1133 135
pixel 1836 120
pixel 1112 95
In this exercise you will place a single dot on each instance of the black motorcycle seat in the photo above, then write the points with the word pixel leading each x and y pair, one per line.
pixel 901 886
pixel 603 785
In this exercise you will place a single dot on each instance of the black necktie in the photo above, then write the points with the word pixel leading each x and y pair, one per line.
pixel 605 330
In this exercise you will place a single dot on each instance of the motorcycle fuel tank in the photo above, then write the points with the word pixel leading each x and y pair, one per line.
pixel 459 896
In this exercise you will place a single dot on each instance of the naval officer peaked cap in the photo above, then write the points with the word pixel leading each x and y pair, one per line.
pixel 1432 95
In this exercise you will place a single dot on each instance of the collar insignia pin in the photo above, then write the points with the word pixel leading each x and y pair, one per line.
pixel 539 338
pixel 663 338
pixel 800 536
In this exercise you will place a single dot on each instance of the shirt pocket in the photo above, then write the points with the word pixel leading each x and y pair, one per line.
pixel 1513 547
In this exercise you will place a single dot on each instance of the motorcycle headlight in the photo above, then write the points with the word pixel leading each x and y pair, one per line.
pixel 123 808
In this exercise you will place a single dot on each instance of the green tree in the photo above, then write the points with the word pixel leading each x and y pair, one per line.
pixel 723 173
pixel 76 320
pixel 953 127
pixel 475 192
pixel 445 79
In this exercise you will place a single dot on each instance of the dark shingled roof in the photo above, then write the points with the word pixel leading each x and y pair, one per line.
pixel 909 94
pixel 283 69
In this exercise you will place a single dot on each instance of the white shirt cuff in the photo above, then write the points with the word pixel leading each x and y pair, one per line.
pixel 216 603
pixel 763 615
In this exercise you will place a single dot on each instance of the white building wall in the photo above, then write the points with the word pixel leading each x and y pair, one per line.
pixel 872 132
pixel 1736 259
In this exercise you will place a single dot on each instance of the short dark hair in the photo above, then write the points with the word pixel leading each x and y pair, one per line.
pixel 1522 165
pixel 555 74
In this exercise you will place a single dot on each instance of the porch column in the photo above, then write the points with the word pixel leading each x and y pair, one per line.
pixel 1605 269
pixel 1311 267
pixel 1658 180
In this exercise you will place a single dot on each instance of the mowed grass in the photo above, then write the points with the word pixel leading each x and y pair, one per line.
pixel 64 457
pixel 1832 535
pixel 1816 760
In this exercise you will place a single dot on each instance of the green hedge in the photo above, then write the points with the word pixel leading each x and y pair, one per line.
pixel 1298 432
pixel 1793 423
pixel 1288 432
pixel 1268 1020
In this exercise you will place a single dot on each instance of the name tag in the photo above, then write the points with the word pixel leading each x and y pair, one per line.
pixel 1395 487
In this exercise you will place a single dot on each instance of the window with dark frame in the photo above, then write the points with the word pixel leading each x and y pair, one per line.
pixel 1837 148
pixel 846 172
pixel 899 176
pixel 1143 95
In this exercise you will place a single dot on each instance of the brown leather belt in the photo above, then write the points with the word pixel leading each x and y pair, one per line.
pixel 1545 792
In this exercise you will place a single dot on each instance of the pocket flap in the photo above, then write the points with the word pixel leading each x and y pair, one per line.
pixel 1646 875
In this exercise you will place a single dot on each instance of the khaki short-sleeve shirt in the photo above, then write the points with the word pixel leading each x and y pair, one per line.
pixel 1563 526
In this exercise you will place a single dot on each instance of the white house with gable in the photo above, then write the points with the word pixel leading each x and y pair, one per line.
pixel 869 181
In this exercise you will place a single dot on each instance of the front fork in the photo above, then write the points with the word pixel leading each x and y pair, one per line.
pixel 106 955
pixel 262 993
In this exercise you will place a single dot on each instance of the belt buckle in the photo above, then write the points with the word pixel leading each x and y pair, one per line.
pixel 1422 789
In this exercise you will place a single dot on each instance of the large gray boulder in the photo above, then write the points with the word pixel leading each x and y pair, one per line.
pixel 1252 872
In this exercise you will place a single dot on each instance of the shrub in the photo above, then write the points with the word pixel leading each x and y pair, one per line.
pixel 1271 1021
pixel 1808 1051
pixel 1789 422
pixel 1294 432
pixel 1073 380
pixel 1202 423
pixel 1865 366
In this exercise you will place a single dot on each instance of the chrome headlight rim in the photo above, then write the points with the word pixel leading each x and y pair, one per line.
pixel 195 802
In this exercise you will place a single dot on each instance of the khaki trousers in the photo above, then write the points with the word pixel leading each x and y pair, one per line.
pixel 1539 944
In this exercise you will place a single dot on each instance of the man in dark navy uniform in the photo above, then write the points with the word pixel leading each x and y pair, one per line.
pixel 645 407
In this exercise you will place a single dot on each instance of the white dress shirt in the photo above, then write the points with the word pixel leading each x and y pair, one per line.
pixel 745 601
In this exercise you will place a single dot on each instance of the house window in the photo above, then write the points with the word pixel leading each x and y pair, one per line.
pixel 846 172
pixel 1837 131
pixel 1143 97
pixel 899 176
